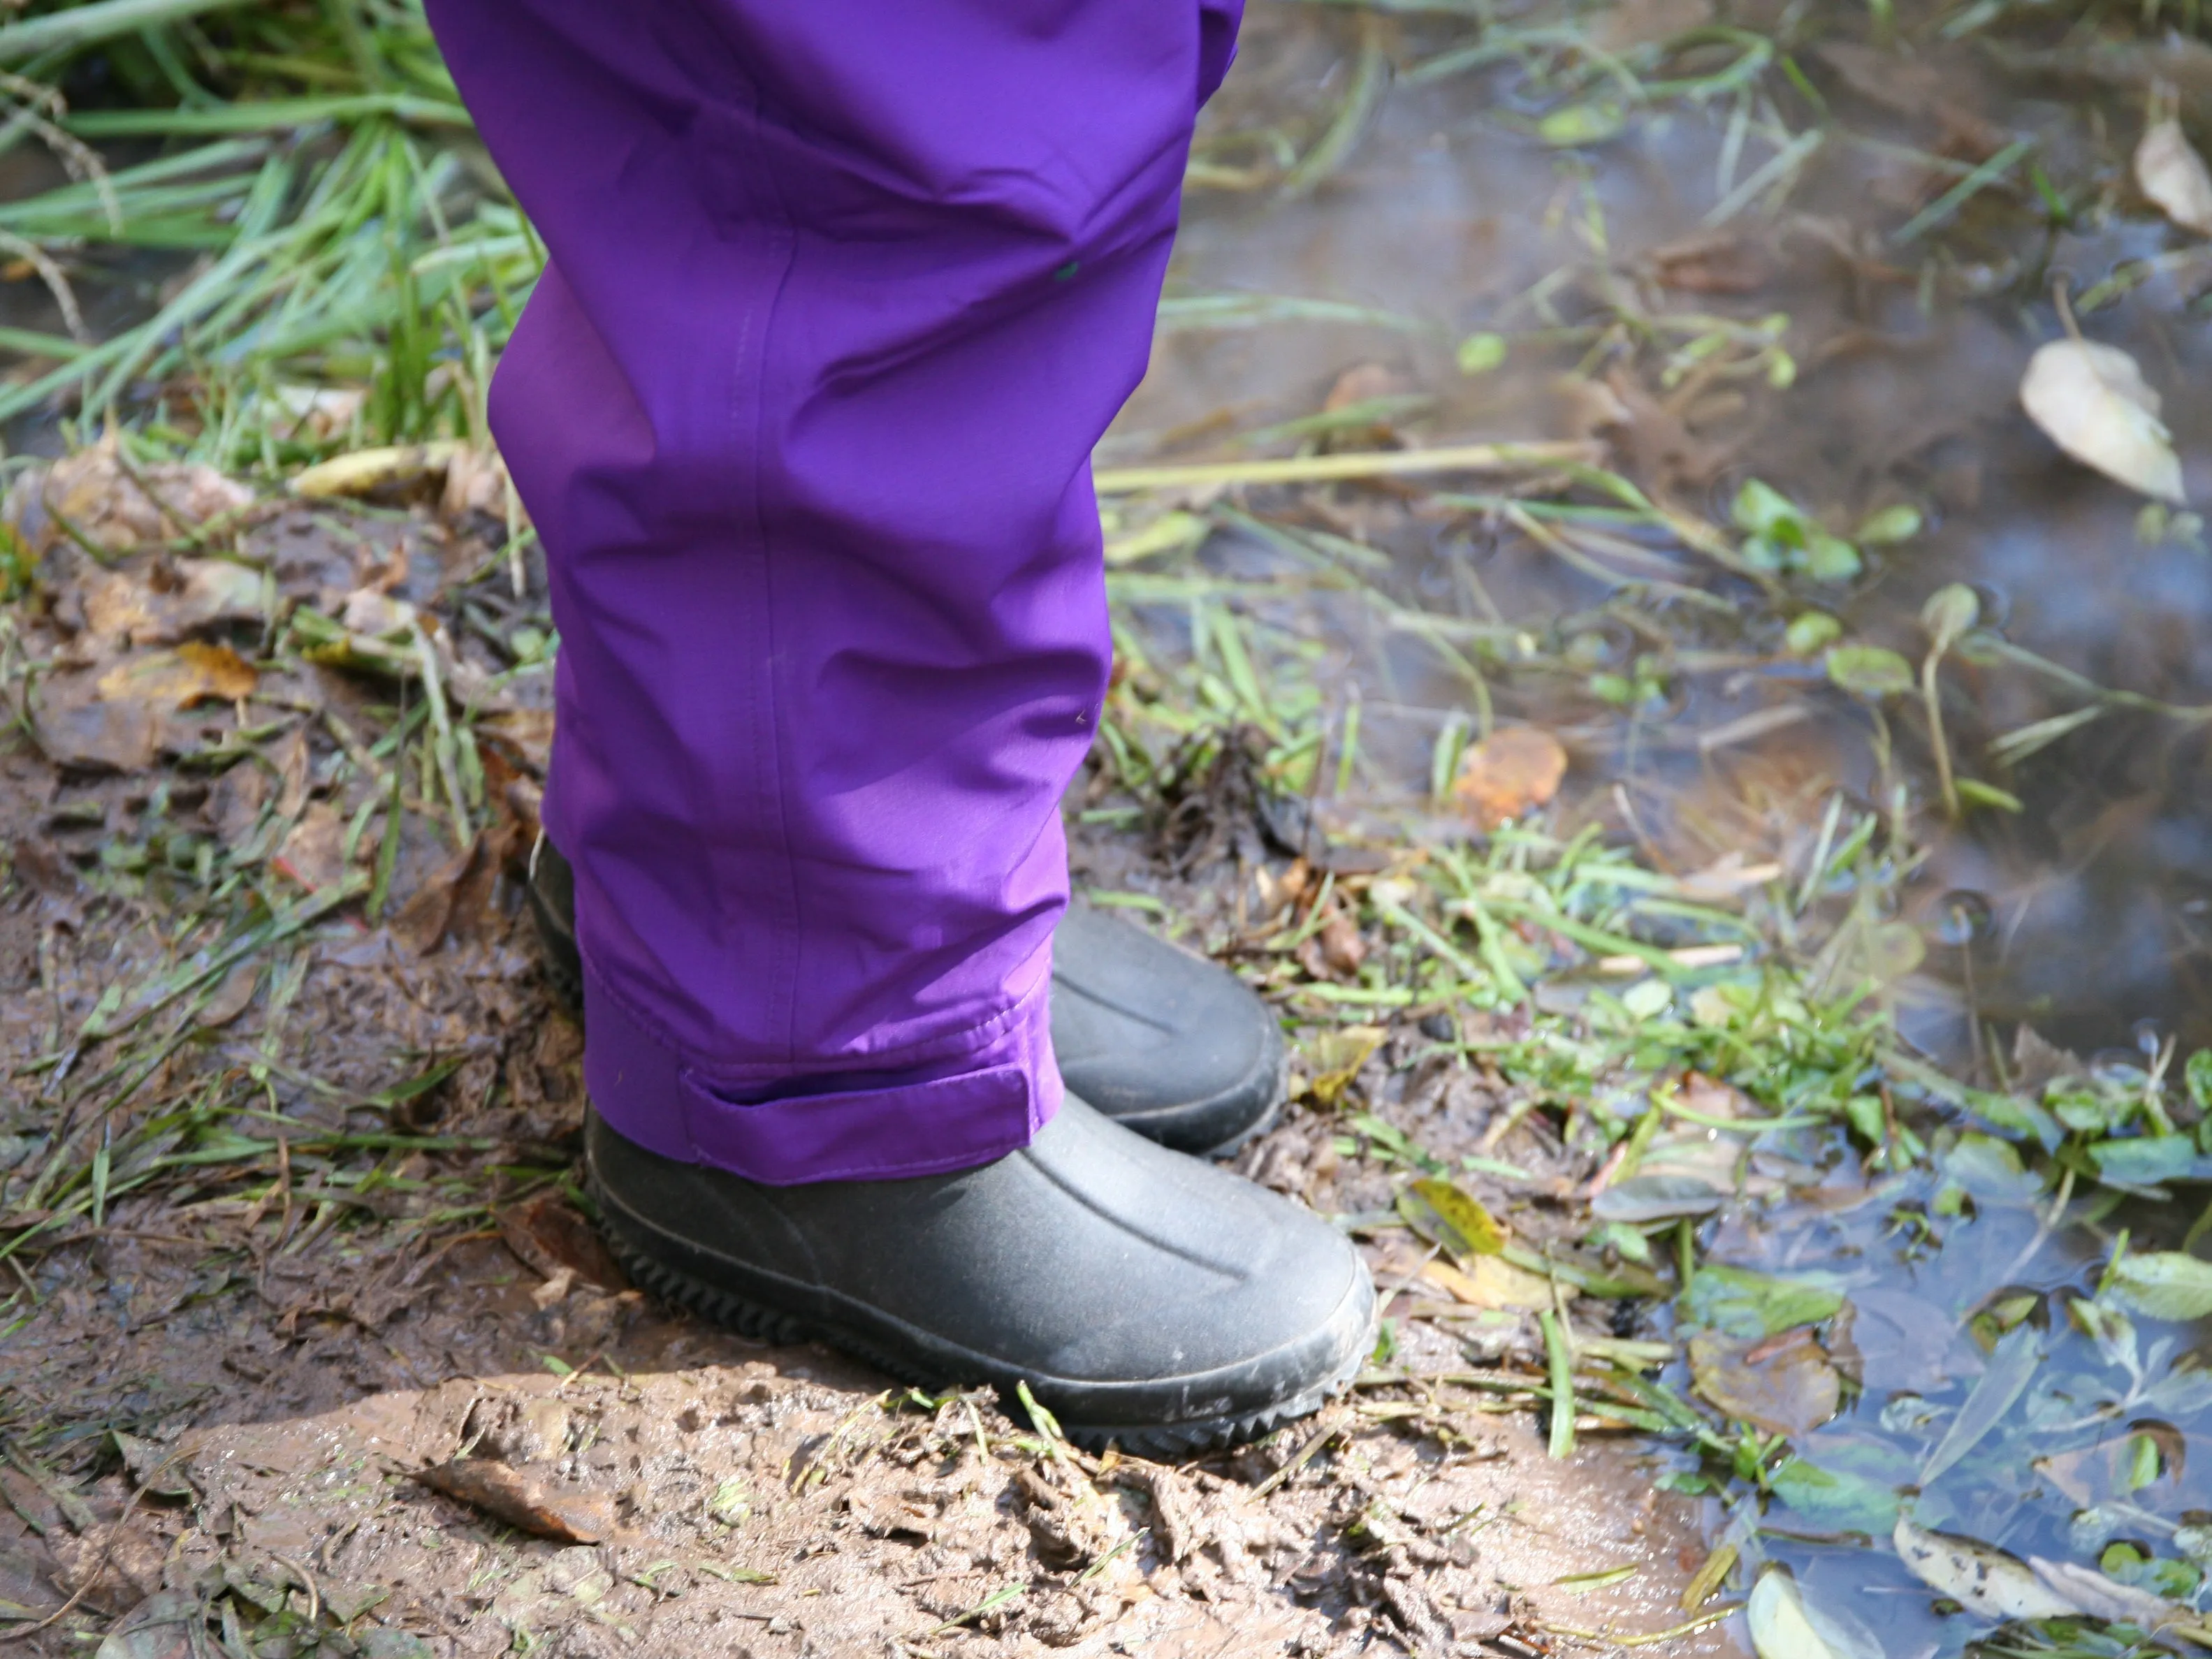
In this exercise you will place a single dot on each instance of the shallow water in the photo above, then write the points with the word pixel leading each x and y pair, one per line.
pixel 1452 216
pixel 2086 914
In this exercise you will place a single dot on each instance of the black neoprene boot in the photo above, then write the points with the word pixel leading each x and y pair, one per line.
pixel 1158 1039
pixel 1145 1298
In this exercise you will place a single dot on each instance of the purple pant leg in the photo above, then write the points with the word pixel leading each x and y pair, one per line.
pixel 842 294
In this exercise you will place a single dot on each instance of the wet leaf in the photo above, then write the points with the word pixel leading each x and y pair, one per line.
pixel 2093 402
pixel 1781 1384
pixel 1582 123
pixel 1763 510
pixel 2147 1160
pixel 1495 1284
pixel 368 470
pixel 1835 1497
pixel 1474 1231
pixel 2012 1365
pixel 116 504
pixel 1870 670
pixel 2163 1285
pixel 156 1469
pixel 1951 610
pixel 2174 176
pixel 1656 1198
pixel 1888 526
pixel 1479 354
pixel 523 1502
pixel 1809 631
pixel 1509 773
pixel 195 672
pixel 1746 1306
pixel 1979 1577
pixel 1336 1057
pixel 1784 1626
pixel 2101 1597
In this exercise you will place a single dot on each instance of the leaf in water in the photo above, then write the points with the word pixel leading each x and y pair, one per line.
pixel 1950 611
pixel 1582 123
pixel 1784 1626
pixel 1783 1385
pixel 1835 1497
pixel 2093 402
pixel 1657 1197
pixel 2164 1285
pixel 2101 1597
pixel 1514 770
pixel 2147 1160
pixel 1869 671
pixel 2011 1364
pixel 1479 354
pixel 2174 176
pixel 1979 1577
pixel 1474 1231
pixel 1889 526
pixel 1747 1306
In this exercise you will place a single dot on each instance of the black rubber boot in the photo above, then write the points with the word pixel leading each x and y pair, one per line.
pixel 1158 1039
pixel 1145 1298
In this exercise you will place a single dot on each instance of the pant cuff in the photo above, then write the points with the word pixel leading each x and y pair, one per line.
pixel 927 1119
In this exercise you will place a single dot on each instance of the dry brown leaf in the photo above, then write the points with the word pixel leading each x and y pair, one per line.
pixel 314 852
pixel 2174 176
pixel 1509 773
pixel 523 1502
pixel 551 1238
pixel 116 505
pixel 2093 402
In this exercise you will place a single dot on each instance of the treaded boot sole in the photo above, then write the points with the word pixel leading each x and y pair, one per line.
pixel 760 1324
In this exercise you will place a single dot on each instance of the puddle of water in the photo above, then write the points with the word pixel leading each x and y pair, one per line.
pixel 1451 217
pixel 2085 913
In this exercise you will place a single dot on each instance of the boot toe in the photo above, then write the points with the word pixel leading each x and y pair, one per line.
pixel 1163 1042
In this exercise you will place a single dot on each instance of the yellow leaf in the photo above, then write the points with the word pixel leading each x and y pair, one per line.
pixel 1477 1228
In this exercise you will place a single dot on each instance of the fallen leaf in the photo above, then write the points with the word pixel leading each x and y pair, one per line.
pixel 1656 1198
pixel 1495 1284
pixel 195 672
pixel 2174 176
pixel 1979 1577
pixel 2093 402
pixel 2164 1284
pixel 1474 1230
pixel 1641 22
pixel 1336 1057
pixel 1788 1387
pixel 78 726
pixel 1509 773
pixel 551 1238
pixel 231 999
pixel 120 610
pixel 313 849
pixel 1783 1625
pixel 118 506
pixel 1717 261
pixel 1749 1307
pixel 2107 1598
pixel 1341 946
pixel 367 469
pixel 523 1502
pixel 1895 82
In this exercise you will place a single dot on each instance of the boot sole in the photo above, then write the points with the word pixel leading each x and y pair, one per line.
pixel 759 1322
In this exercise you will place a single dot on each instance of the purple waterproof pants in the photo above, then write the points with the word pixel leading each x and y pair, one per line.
pixel 842 294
